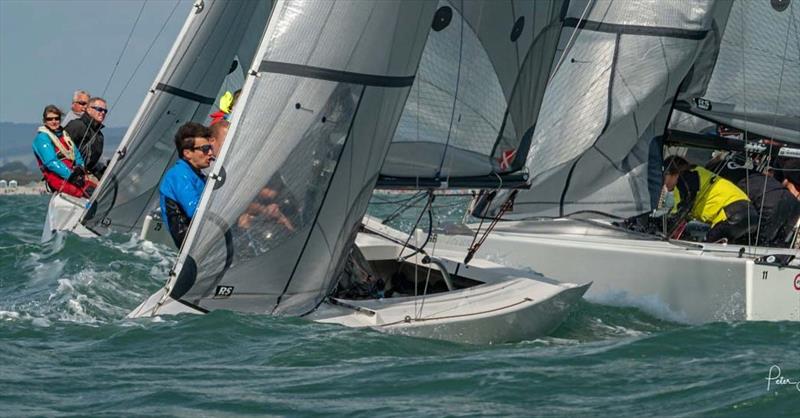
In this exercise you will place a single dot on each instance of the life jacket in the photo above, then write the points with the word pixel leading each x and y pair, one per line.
pixel 714 194
pixel 65 151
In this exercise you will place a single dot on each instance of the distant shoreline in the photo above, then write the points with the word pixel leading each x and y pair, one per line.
pixel 37 189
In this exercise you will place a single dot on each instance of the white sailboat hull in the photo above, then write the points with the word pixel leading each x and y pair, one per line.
pixel 685 282
pixel 64 214
pixel 510 305
pixel 516 309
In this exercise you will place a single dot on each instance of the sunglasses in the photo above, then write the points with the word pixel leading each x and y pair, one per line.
pixel 52 118
pixel 81 103
pixel 100 109
pixel 205 149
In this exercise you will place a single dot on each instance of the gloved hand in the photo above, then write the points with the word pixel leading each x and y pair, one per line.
pixel 77 177
pixel 100 169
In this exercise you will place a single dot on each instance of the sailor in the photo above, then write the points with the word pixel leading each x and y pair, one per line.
pixel 226 104
pixel 219 131
pixel 702 195
pixel 182 185
pixel 80 99
pixel 776 206
pixel 87 134
pixel 58 157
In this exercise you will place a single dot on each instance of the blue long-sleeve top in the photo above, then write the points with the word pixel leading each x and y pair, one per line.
pixel 47 153
pixel 183 185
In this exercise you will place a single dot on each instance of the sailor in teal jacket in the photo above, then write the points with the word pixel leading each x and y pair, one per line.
pixel 182 186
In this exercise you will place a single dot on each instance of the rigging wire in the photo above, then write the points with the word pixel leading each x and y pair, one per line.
pixel 125 47
pixel 569 41
pixel 147 52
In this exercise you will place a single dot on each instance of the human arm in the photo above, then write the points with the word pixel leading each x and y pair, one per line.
pixel 47 154
pixel 688 187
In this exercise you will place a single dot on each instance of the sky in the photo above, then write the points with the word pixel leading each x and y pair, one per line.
pixel 50 48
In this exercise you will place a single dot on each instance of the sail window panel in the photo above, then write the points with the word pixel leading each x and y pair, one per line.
pixel 286 159
pixel 577 104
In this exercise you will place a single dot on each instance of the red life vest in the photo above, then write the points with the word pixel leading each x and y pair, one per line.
pixel 65 151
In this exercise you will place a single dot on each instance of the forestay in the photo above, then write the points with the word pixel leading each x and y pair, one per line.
pixel 470 115
pixel 611 95
pixel 307 140
pixel 184 90
pixel 752 77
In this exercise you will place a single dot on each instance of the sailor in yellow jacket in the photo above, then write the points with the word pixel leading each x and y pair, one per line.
pixel 709 198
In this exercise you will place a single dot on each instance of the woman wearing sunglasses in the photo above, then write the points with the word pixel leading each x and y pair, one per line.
pixel 58 157
pixel 182 185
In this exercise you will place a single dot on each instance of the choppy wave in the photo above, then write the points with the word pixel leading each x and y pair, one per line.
pixel 67 349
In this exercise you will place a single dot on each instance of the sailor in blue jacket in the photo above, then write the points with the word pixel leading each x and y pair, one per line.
pixel 183 184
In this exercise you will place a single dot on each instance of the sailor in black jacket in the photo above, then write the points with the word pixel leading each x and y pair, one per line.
pixel 87 135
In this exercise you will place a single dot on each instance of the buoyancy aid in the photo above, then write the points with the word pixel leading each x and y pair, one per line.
pixel 65 152
pixel 713 194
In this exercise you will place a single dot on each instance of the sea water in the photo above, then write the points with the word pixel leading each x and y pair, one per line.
pixel 66 349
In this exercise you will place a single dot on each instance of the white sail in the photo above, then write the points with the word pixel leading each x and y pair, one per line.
pixel 610 97
pixel 184 90
pixel 470 114
pixel 751 78
pixel 308 136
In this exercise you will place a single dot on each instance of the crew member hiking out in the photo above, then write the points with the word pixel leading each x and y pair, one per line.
pixel 59 159
pixel 702 195
pixel 182 186
pixel 87 134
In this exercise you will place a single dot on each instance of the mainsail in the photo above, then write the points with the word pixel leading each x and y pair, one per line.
pixel 470 116
pixel 751 79
pixel 307 140
pixel 623 64
pixel 215 32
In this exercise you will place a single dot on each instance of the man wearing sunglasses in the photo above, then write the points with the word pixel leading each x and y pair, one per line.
pixel 182 185
pixel 80 99
pixel 87 135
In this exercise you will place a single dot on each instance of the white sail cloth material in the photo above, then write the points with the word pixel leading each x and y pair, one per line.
pixel 307 140
pixel 183 91
pixel 609 98
pixel 478 91
pixel 752 77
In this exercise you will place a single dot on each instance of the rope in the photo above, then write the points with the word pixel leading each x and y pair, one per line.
pixel 477 245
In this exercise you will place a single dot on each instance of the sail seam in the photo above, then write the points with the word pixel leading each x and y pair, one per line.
pixel 328 74
pixel 175 91
pixel 595 26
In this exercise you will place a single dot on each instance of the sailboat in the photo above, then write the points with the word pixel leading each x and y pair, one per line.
pixel 627 68
pixel 326 86
pixel 214 32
